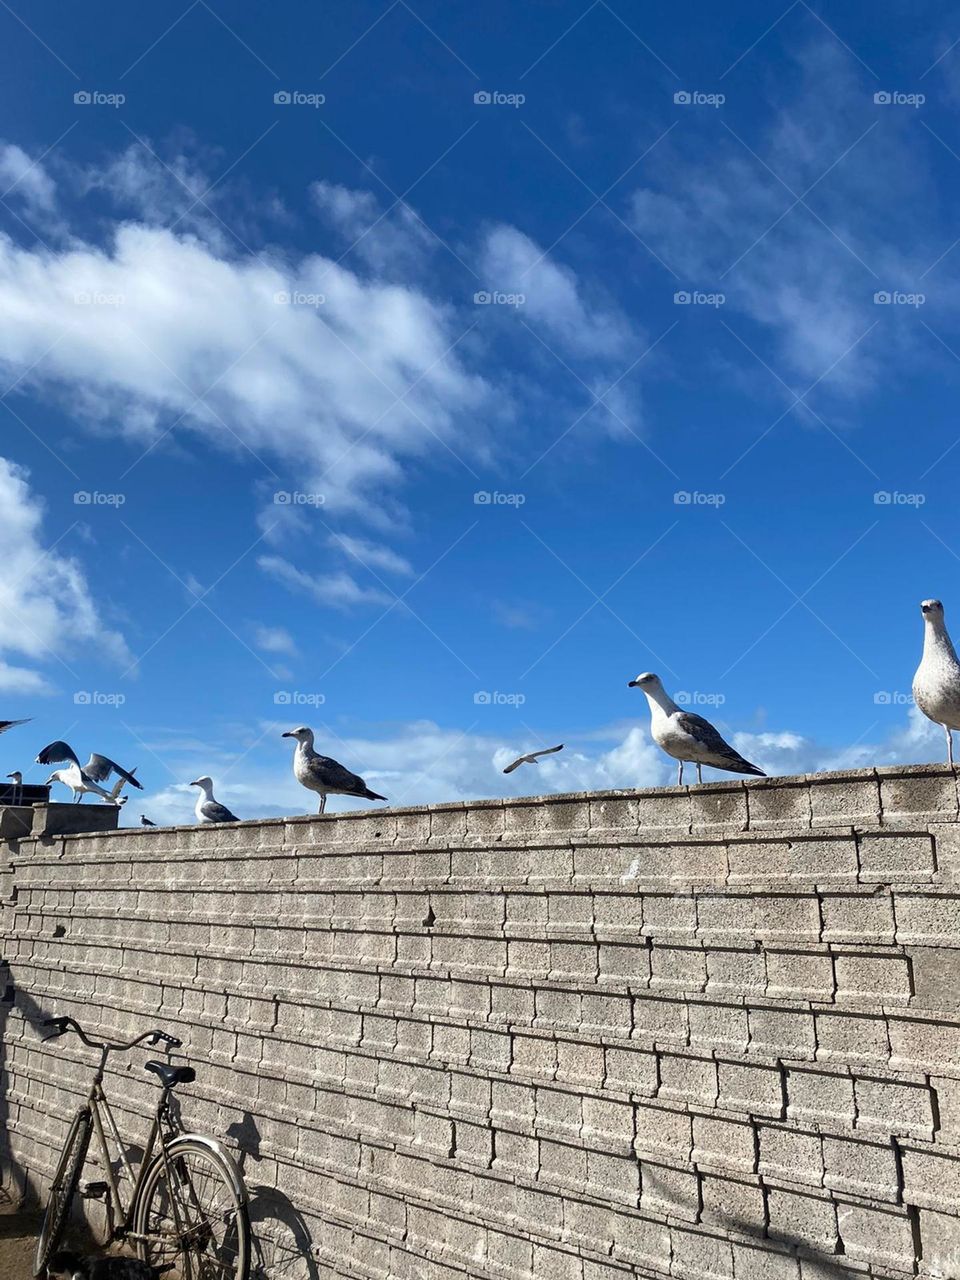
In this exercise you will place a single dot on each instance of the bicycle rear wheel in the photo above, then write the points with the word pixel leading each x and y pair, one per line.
pixel 63 1189
pixel 192 1213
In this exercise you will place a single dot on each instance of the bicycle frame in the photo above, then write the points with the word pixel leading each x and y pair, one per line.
pixel 164 1128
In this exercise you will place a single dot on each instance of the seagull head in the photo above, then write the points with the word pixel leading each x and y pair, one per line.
pixel 17 776
pixel 205 782
pixel 931 609
pixel 303 734
pixel 54 777
pixel 646 681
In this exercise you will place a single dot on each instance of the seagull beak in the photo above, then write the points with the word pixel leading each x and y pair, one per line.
pixel 194 784
pixel 286 735
pixel 632 684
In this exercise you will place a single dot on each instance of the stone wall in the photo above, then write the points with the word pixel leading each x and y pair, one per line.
pixel 711 1033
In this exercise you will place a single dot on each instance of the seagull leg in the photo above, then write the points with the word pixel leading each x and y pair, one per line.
pixel 949 745
pixel 699 774
pixel 680 775
pixel 323 803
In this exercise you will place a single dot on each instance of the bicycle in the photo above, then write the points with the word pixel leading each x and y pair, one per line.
pixel 188 1205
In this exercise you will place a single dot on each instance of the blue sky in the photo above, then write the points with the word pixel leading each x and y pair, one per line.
pixel 242 309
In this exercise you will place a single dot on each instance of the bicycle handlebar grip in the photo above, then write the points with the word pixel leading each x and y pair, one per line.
pixel 171 1041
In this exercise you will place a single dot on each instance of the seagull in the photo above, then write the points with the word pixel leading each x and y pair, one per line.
pixel 17 779
pixel 936 685
pixel 323 775
pixel 208 808
pixel 9 724
pixel 86 778
pixel 145 821
pixel 531 758
pixel 687 736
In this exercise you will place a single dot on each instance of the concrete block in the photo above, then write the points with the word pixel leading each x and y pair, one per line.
pixel 894 1107
pixel 939 1245
pixel 861 918
pixel 931 1180
pixel 733 1206
pixel 755 1090
pixel 928 919
pixel 627 964
pixel 918 1044
pixel 799 975
pixel 687 1079
pixel 917 793
pixel 764 1263
pixel 674 1193
pixel 698 1256
pixel 840 799
pixel 724 1144
pixel 873 979
pixel 631 1071
pixel 782 1033
pixel 791 1155
pixel 670 917
pixel 861 1168
pixel 660 1021
pixel 778 804
pixel 682 969
pixel 664 809
pixel 873 1236
pixel 663 1135
pixel 735 972
pixel 936 977
pixel 802 1220
pixel 892 858
pixel 719 805
pixel 719 1026
pixel 853 1038
pixel 639 1241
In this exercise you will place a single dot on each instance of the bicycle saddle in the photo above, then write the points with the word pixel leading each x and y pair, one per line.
pixel 171 1075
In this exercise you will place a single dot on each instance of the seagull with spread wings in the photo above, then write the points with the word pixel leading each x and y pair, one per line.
pixel 83 779
pixel 532 757
pixel 325 776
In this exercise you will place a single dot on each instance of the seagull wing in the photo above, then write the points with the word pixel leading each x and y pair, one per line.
pixel 712 740
pixel 9 724
pixel 547 751
pixel 334 776
pixel 214 811
pixel 516 764
pixel 99 768
pixel 58 753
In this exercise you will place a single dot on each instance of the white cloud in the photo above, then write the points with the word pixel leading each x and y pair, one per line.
pixel 46 609
pixel 23 178
pixel 389 242
pixel 338 590
pixel 274 640
pixel 373 555
pixel 323 391
pixel 512 263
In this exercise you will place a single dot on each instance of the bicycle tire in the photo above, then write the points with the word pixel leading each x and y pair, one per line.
pixel 63 1189
pixel 185 1156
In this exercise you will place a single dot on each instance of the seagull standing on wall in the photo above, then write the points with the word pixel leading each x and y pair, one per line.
pixel 322 774
pixel 687 736
pixel 936 685
pixel 209 809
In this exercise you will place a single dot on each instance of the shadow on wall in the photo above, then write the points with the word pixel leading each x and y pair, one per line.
pixel 18 1188
pixel 273 1216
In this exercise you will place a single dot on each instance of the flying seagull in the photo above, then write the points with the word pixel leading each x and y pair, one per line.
pixel 323 775
pixel 531 758
pixel 145 821
pixel 9 724
pixel 208 808
pixel 687 736
pixel 936 685
pixel 86 778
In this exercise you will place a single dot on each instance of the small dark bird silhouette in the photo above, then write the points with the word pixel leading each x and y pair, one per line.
pixel 145 821
pixel 72 1266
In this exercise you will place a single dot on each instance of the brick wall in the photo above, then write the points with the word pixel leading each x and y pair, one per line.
pixel 711 1033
